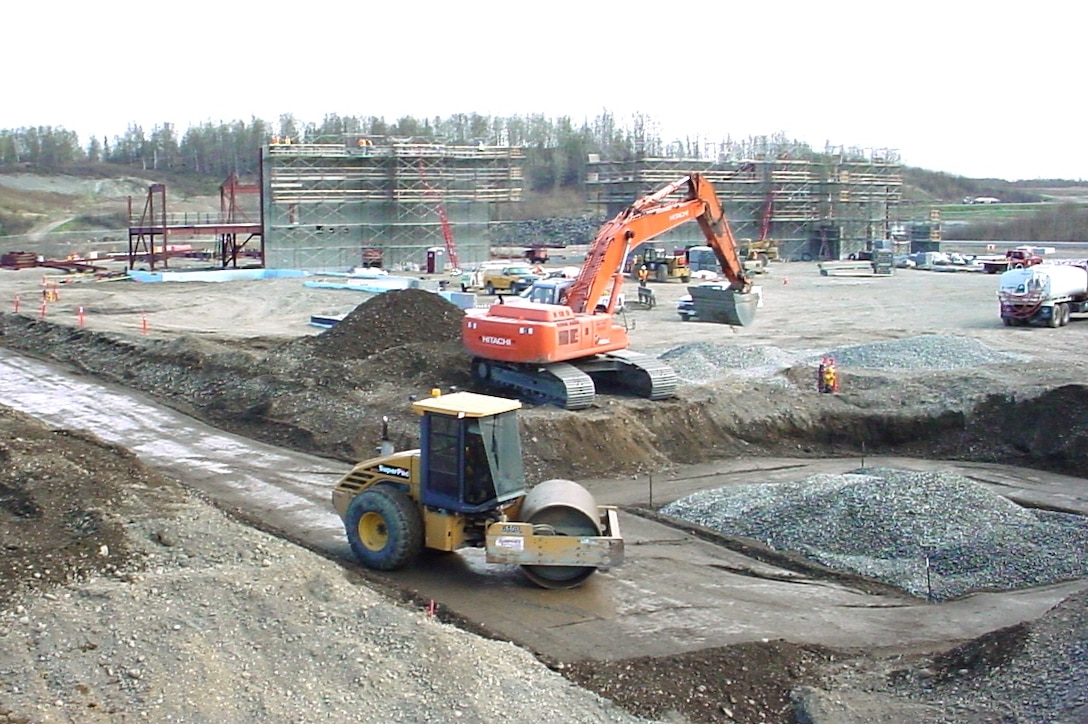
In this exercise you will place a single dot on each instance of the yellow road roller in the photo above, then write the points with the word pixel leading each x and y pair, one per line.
pixel 465 487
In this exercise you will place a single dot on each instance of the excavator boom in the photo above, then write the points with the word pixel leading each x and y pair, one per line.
pixel 650 217
pixel 552 352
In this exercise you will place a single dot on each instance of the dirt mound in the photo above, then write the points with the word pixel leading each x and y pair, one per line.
pixel 61 493
pixel 751 682
pixel 388 320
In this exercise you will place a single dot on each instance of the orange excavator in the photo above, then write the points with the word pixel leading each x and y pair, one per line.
pixel 552 352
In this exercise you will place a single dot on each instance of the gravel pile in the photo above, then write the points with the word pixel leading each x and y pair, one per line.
pixel 704 361
pixel 924 352
pixel 935 535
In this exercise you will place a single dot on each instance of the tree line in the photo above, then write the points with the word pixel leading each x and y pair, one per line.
pixel 556 149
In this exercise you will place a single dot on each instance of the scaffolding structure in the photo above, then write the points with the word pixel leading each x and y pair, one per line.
pixel 382 201
pixel 824 206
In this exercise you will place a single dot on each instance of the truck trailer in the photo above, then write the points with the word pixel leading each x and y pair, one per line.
pixel 1044 294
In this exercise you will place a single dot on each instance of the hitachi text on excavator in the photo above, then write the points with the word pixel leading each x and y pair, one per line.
pixel 552 351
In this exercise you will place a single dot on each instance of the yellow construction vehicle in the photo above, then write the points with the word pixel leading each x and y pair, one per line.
pixel 765 250
pixel 661 265
pixel 465 487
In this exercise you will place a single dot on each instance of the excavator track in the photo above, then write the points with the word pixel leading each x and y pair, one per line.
pixel 632 373
pixel 558 383
pixel 573 385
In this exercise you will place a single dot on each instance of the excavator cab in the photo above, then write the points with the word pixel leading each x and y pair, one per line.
pixel 471 453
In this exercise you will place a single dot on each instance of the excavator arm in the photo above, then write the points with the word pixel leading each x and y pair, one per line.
pixel 645 219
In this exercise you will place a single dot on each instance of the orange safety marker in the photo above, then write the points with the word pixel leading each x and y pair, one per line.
pixel 16 303
pixel 80 316
pixel 143 323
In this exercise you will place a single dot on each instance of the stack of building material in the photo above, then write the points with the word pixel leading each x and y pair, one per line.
pixel 19 260
pixel 846 268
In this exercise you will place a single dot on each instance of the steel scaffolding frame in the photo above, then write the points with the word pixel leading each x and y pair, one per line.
pixel 826 206
pixel 375 200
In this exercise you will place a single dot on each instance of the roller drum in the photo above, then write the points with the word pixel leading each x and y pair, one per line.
pixel 564 505
pixel 560 507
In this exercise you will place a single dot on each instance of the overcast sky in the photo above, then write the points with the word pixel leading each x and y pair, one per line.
pixel 969 88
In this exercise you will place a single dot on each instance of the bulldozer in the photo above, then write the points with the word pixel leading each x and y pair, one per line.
pixel 464 487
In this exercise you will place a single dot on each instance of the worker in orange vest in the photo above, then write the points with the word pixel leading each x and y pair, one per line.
pixel 827 378
pixel 643 275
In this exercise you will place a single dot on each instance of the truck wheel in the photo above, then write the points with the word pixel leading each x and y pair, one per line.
pixel 384 528
pixel 1055 316
pixel 1066 311
pixel 1007 320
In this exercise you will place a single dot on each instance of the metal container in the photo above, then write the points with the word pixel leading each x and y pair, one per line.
pixel 1045 281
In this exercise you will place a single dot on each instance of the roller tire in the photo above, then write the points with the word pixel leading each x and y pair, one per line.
pixel 384 528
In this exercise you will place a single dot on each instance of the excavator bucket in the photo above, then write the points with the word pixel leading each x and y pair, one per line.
pixel 722 304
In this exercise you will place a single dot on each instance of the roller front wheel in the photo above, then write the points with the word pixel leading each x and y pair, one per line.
pixel 384 528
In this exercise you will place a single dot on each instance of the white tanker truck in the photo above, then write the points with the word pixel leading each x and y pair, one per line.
pixel 1044 294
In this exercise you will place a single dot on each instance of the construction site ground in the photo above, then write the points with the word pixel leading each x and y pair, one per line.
pixel 114 501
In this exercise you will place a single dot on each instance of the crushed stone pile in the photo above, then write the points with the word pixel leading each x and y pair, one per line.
pixel 935 535
pixel 704 361
pixel 391 319
pixel 924 352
